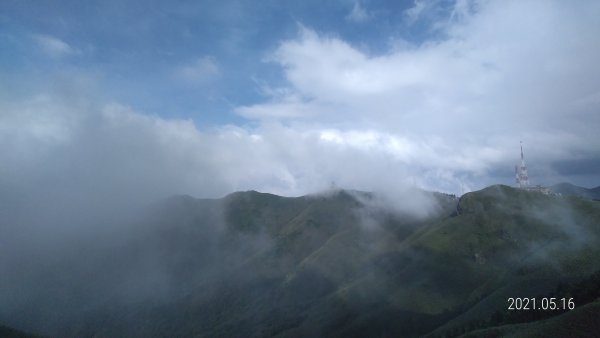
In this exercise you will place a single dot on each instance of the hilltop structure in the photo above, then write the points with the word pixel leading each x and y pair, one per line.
pixel 522 178
pixel 521 172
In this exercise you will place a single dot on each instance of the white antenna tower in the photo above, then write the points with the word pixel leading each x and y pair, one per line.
pixel 521 172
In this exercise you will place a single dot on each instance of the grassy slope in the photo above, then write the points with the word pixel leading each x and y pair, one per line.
pixel 492 250
pixel 523 242
pixel 255 264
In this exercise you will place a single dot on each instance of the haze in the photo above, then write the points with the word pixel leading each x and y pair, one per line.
pixel 109 108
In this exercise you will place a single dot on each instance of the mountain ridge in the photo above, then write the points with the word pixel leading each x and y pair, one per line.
pixel 342 263
pixel 569 189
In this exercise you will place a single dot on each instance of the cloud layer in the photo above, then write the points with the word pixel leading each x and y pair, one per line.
pixel 499 73
pixel 447 115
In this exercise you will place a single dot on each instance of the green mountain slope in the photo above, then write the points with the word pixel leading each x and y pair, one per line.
pixel 339 264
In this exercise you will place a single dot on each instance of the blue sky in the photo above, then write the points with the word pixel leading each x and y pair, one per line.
pixel 209 97
pixel 137 48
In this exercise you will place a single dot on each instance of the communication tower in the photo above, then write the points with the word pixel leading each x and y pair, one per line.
pixel 521 172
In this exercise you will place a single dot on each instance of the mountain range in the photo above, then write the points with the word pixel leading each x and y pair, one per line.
pixel 569 189
pixel 341 263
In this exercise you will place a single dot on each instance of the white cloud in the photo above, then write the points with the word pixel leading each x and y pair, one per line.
pixel 283 106
pixel 505 71
pixel 446 115
pixel 414 13
pixel 112 154
pixel 358 14
pixel 201 70
pixel 54 47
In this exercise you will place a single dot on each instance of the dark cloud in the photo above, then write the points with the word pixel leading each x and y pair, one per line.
pixel 587 166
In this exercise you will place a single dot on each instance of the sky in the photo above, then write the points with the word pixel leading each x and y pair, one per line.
pixel 129 99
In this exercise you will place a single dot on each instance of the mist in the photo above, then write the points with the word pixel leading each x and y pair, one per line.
pixel 84 181
pixel 124 145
